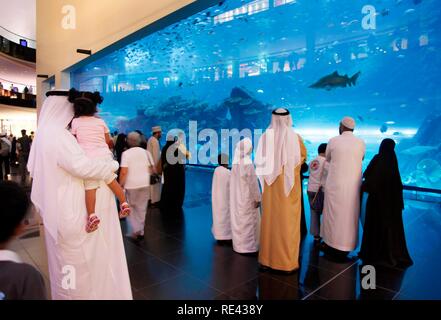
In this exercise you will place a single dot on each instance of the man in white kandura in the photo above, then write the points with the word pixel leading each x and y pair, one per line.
pixel 341 210
pixel 82 266
pixel 154 148
pixel 220 201
pixel 245 200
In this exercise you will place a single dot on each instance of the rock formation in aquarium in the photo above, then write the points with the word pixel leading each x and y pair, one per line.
pixel 240 111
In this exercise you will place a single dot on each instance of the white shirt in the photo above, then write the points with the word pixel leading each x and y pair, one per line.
pixel 7 255
pixel 137 160
pixel 318 171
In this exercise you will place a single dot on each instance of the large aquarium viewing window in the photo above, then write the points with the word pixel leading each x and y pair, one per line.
pixel 231 64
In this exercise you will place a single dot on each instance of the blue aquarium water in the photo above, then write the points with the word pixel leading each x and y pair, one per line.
pixel 231 64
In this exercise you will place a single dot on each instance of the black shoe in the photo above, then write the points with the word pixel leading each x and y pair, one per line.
pixel 136 239
pixel 154 205
pixel 322 246
pixel 336 255
pixel 263 268
pixel 283 272
pixel 249 254
pixel 226 243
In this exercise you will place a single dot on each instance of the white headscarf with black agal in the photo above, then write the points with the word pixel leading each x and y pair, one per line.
pixel 278 151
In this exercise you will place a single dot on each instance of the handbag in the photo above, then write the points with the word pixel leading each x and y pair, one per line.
pixel 318 201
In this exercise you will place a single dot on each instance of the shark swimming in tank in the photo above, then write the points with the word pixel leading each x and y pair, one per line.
pixel 334 80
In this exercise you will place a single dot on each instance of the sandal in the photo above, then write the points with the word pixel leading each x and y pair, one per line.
pixel 125 210
pixel 137 236
pixel 92 223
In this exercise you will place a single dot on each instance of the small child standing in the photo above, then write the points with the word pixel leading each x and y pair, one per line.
pixel 18 281
pixel 318 172
pixel 94 137
pixel 220 201
pixel 245 200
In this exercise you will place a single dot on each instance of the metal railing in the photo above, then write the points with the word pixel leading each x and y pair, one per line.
pixel 5 82
pixel 18 99
pixel 19 36
pixel 406 187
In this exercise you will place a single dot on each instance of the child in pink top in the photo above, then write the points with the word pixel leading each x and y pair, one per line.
pixel 93 136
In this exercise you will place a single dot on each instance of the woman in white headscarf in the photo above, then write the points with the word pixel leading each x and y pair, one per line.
pixel 81 266
pixel 279 157
pixel 244 200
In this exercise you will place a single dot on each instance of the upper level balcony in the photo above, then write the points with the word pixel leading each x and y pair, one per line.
pixel 18 99
pixel 17 51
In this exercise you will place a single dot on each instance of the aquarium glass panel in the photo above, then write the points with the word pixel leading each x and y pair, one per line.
pixel 230 65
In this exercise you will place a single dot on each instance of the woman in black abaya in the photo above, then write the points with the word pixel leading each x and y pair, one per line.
pixel 384 242
pixel 173 167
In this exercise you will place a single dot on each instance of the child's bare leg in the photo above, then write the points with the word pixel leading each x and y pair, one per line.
pixel 92 220
pixel 90 201
pixel 117 191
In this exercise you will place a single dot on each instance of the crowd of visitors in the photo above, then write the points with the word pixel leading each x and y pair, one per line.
pixel 257 206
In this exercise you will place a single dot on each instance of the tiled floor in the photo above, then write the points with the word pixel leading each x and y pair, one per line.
pixel 180 260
